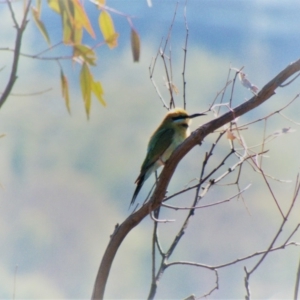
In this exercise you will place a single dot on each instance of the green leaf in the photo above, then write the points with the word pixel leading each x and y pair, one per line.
pixel 65 90
pixel 98 91
pixel 108 30
pixel 86 53
pixel 86 85
pixel 38 7
pixel 40 24
pixel 81 19
pixel 135 45
pixel 54 5
pixel 67 30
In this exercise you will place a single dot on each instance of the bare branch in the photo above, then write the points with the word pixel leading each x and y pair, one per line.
pixel 297 282
pixel 185 56
pixel 207 205
pixel 193 140
pixel 20 30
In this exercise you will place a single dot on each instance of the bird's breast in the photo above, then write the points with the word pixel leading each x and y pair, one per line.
pixel 177 140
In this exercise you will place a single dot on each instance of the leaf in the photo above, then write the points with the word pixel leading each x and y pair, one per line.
pixel 72 30
pixel 98 91
pixel 107 28
pixel 65 90
pixel 81 19
pixel 54 5
pixel 85 53
pixel 38 7
pixel 101 2
pixel 86 85
pixel 67 29
pixel 230 135
pixel 135 45
pixel 77 36
pixel 40 24
pixel 174 88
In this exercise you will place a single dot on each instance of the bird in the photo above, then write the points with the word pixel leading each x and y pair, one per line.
pixel 172 131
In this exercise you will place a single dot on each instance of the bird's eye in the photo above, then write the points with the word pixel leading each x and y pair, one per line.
pixel 184 125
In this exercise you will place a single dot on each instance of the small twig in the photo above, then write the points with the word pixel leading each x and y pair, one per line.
pixel 233 85
pixel 151 71
pixel 270 190
pixel 207 205
pixel 162 54
pixel 297 284
pixel 285 218
pixel 154 239
pixel 289 82
pixel 30 94
pixel 216 287
pixel 185 55
pixel 246 280
pixel 160 220
pixel 238 260
pixel 20 30
pixel 15 282
pixel 271 114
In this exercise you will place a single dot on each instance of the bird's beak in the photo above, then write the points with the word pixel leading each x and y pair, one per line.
pixel 195 115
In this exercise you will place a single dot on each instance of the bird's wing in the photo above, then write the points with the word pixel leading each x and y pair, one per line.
pixel 158 144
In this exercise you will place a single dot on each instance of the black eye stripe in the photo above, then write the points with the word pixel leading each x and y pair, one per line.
pixel 179 118
pixel 186 117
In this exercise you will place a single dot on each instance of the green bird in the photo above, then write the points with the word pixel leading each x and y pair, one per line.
pixel 172 131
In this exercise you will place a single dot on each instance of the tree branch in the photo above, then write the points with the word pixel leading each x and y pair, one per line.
pixel 195 138
pixel 20 30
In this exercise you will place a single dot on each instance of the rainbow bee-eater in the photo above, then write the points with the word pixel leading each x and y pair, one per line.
pixel 172 131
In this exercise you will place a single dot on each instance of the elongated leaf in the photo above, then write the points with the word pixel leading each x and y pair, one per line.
pixel 65 90
pixel 67 29
pixel 108 30
pixel 101 2
pixel 38 7
pixel 85 84
pixel 81 18
pixel 135 45
pixel 54 5
pixel 40 24
pixel 77 36
pixel 98 92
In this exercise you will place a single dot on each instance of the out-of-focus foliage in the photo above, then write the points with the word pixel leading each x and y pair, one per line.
pixel 74 23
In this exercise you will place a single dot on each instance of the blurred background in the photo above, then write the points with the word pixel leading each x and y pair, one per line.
pixel 66 181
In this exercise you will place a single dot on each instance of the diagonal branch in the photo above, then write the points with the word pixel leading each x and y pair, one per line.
pixel 195 138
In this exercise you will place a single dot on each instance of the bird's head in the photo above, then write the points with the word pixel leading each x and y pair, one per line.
pixel 179 118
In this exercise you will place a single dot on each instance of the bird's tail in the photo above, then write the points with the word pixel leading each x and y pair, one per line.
pixel 139 183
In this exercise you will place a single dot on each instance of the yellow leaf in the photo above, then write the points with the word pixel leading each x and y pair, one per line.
pixel 135 45
pixel 54 4
pixel 81 18
pixel 101 2
pixel 65 90
pixel 40 24
pixel 230 135
pixel 174 88
pixel 67 29
pixel 98 92
pixel 72 29
pixel 108 31
pixel 38 7
pixel 86 53
pixel 77 36
pixel 86 85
